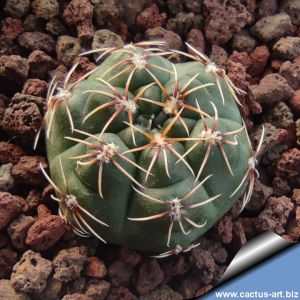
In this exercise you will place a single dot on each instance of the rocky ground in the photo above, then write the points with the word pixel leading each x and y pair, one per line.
pixel 257 42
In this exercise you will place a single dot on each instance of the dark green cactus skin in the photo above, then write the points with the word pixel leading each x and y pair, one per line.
pixel 120 201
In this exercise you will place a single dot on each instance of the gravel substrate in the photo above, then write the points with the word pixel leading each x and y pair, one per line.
pixel 257 42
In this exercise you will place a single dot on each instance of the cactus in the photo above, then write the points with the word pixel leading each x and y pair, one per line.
pixel 145 153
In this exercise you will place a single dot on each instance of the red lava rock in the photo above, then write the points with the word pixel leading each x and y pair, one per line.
pixel 296 196
pixel 8 257
pixel 275 215
pixel 27 170
pixel 280 186
pixel 224 20
pixel 17 8
pixel 95 267
pixel 10 207
pixel 11 28
pixel 203 265
pixel 150 17
pixel 238 237
pixel 177 265
pixel 120 273
pixel 294 101
pixel 259 196
pixel 17 230
pixel 291 72
pixel 37 41
pixel 241 58
pixel 120 293
pixel 13 67
pixel 203 290
pixel 196 39
pixel 80 13
pixel 272 88
pixel 188 286
pixel 150 276
pixel 289 163
pixel 97 289
pixel 35 87
pixel 23 117
pixel 84 66
pixel 224 229
pixel 276 64
pixel 40 64
pixel 129 256
pixel 30 273
pixel 259 58
pixel 163 292
pixel 69 263
pixel 43 211
pixel 216 249
pixel 10 153
pixel 249 227
pixel 45 232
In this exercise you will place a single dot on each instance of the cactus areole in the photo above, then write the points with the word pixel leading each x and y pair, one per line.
pixel 146 153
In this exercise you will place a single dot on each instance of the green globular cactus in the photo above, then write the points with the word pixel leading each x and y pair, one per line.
pixel 145 153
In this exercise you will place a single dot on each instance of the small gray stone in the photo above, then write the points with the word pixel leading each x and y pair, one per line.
pixel 272 27
pixel 292 8
pixel 7 292
pixel 37 41
pixel 45 9
pixel 172 39
pixel 17 8
pixel 287 48
pixel 106 13
pixel 280 116
pixel 193 5
pixel 105 38
pixel 6 179
pixel 181 24
pixel 30 273
pixel 67 49
pixel 243 42
pixel 55 27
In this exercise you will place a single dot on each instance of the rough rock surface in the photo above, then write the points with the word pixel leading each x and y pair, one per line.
pixel 271 89
pixel 10 207
pixel 287 48
pixel 7 292
pixel 150 276
pixel 45 232
pixel 27 170
pixel 17 230
pixel 224 20
pixel 69 263
pixel 6 179
pixel 30 273
pixel 272 27
pixel 37 41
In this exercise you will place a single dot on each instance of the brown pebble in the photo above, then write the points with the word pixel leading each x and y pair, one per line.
pixel 150 17
pixel 35 87
pixel 10 207
pixel 150 276
pixel 95 267
pixel 27 170
pixel 45 232
pixel 10 153
pixel 129 256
